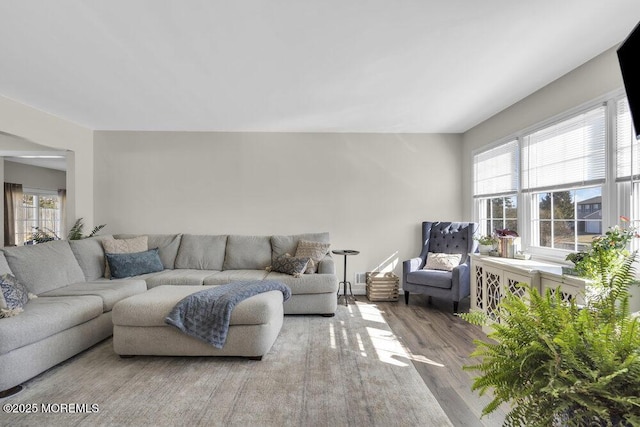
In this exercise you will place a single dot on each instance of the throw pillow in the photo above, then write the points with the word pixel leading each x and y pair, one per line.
pixel 314 250
pixel 134 264
pixel 123 246
pixel 288 264
pixel 441 261
pixel 13 296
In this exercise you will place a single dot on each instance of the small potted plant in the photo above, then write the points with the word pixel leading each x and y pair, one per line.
pixel 486 243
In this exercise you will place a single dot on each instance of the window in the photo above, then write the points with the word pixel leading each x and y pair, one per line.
pixel 566 159
pixel 627 166
pixel 40 209
pixel 496 185
pixel 501 213
pixel 567 219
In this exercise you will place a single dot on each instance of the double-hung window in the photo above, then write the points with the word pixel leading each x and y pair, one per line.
pixel 496 187
pixel 40 209
pixel 563 174
pixel 562 182
pixel 627 166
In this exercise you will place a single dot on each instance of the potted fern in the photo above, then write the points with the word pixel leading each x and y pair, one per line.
pixel 556 363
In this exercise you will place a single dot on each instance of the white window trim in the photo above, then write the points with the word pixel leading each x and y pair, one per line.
pixel 612 206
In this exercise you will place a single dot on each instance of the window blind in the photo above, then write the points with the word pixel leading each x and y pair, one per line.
pixel 627 147
pixel 570 153
pixel 496 170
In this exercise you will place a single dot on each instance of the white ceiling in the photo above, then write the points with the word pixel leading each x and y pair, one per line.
pixel 294 65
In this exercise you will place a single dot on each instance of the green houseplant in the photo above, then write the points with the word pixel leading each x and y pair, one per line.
pixel 75 233
pixel 42 235
pixel 486 243
pixel 606 253
pixel 556 363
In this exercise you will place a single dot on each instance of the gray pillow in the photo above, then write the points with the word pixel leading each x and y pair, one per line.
pixel 134 264
pixel 13 296
pixel 281 245
pixel 288 264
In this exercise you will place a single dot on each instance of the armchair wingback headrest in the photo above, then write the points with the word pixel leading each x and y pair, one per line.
pixel 448 237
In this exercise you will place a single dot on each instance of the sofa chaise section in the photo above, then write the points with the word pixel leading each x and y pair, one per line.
pixel 68 316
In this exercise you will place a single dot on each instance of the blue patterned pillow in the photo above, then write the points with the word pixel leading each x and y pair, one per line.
pixel 134 264
pixel 288 264
pixel 13 297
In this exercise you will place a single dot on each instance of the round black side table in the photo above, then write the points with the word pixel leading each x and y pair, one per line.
pixel 346 252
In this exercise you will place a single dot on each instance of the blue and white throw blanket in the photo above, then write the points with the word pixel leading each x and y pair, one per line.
pixel 206 314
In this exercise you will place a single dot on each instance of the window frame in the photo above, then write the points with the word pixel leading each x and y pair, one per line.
pixel 613 203
pixel 27 230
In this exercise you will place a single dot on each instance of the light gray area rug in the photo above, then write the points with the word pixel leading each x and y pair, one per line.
pixel 349 370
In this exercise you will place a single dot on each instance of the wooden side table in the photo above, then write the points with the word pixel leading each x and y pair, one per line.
pixel 347 298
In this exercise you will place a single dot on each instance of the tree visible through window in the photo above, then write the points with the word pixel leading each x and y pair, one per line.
pixel 569 219
pixel 501 213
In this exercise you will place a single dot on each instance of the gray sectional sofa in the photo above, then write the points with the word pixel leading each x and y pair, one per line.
pixel 74 304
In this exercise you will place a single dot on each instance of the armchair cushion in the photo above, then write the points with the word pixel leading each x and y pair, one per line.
pixel 435 278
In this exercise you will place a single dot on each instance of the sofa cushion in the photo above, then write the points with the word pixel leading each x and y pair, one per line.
pixel 167 244
pixel 90 255
pixel 281 245
pixel 201 252
pixel 4 267
pixel 307 283
pixel 134 264
pixel 45 266
pixel 229 276
pixel 179 277
pixel 44 317
pixel 316 251
pixel 247 253
pixel 110 291
pixel 13 296
pixel 123 246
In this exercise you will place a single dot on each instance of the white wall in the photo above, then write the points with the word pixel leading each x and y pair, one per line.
pixel 370 191
pixel 34 177
pixel 42 128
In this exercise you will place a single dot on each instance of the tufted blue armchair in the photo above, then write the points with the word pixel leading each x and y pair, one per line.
pixel 448 238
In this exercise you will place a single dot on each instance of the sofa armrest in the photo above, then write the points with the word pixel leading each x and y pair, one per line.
pixel 326 265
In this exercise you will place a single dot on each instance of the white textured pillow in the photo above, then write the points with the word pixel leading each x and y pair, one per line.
pixel 314 250
pixel 123 246
pixel 440 261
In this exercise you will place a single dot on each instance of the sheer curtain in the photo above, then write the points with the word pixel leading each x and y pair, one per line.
pixel 13 213
pixel 62 198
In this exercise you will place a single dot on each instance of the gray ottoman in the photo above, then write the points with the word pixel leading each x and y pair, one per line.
pixel 139 328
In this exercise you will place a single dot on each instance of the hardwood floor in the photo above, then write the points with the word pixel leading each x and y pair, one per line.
pixel 440 344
